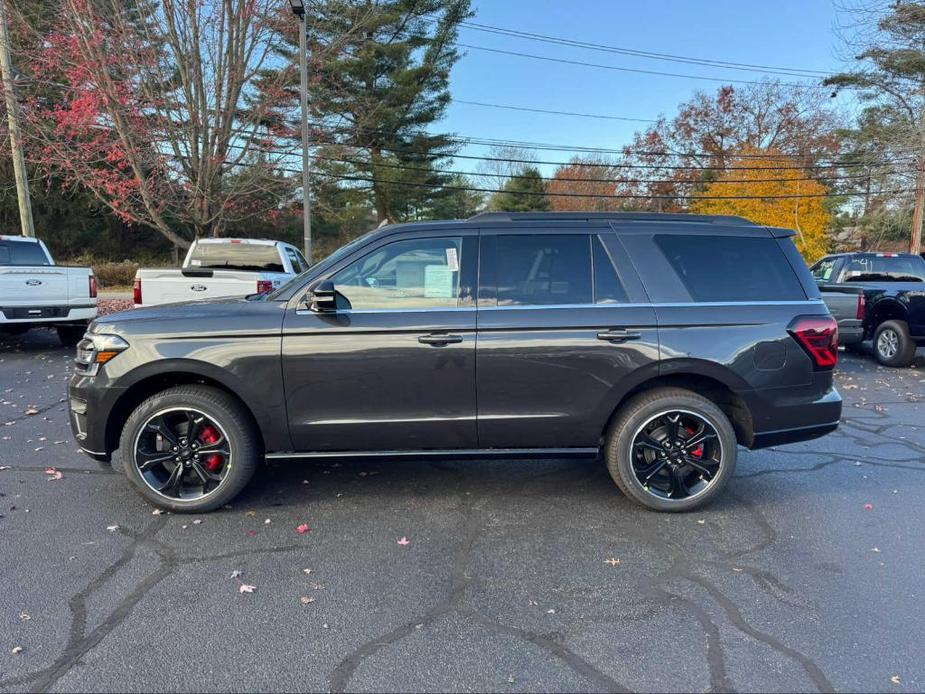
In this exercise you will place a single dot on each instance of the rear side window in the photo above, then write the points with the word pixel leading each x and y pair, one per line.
pixel 236 256
pixel 22 253
pixel 886 268
pixel 731 268
pixel 544 270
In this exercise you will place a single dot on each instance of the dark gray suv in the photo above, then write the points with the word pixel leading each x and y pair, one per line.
pixel 661 341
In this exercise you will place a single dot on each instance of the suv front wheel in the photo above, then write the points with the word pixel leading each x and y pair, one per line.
pixel 671 449
pixel 190 449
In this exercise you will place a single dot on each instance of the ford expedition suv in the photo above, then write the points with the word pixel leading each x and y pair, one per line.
pixel 661 341
pixel 36 293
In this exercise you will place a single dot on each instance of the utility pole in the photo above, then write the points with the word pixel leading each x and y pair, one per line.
pixel 298 7
pixel 19 162
pixel 915 244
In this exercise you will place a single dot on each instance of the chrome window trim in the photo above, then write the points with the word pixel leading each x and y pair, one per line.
pixel 526 307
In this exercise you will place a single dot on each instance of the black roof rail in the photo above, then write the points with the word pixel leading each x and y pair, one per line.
pixel 729 220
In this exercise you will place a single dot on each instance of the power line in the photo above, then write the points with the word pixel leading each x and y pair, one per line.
pixel 641 71
pixel 769 69
pixel 556 113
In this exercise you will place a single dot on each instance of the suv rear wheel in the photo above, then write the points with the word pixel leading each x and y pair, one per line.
pixel 893 345
pixel 190 449
pixel 671 450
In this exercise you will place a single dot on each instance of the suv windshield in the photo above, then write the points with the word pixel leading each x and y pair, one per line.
pixel 901 268
pixel 236 256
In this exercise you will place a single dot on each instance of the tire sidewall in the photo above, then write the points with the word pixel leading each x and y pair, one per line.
pixel 905 351
pixel 641 409
pixel 218 407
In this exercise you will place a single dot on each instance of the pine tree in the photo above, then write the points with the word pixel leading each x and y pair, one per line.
pixel 379 77
pixel 525 192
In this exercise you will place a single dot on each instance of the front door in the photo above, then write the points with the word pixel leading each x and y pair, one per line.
pixel 561 332
pixel 394 367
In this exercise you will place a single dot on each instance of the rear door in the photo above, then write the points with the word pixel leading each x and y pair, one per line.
pixel 564 327
pixel 28 280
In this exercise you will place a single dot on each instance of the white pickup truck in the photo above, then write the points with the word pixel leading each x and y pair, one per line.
pixel 220 268
pixel 34 292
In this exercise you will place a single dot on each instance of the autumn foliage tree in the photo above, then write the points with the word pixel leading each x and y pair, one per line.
pixel 159 107
pixel 585 185
pixel 769 188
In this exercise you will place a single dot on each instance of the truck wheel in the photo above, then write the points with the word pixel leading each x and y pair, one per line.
pixel 671 450
pixel 190 449
pixel 893 346
pixel 70 335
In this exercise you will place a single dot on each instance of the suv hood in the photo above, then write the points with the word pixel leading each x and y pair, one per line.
pixel 179 313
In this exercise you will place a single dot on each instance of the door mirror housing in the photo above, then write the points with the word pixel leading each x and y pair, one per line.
pixel 322 298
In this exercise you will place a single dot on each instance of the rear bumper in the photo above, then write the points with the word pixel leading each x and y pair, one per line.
pixel 47 315
pixel 850 331
pixel 788 415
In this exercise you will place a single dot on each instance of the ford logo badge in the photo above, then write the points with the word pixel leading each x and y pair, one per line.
pixel 33 283
pixel 198 287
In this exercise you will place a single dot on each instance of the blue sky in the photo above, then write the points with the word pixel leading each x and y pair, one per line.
pixel 788 33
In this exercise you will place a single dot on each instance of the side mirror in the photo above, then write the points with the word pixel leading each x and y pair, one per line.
pixel 323 298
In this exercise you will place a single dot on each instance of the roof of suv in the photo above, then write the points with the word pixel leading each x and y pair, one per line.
pixel 686 222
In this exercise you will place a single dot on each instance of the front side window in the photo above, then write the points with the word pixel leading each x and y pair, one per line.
pixel 543 270
pixel 822 271
pixel 297 266
pixel 412 274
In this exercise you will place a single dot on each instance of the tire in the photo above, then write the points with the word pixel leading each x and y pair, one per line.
pixel 655 408
pixel 893 346
pixel 70 335
pixel 224 416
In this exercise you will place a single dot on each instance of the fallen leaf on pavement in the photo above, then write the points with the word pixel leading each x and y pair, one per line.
pixel 404 541
pixel 267 521
pixel 868 507
pixel 252 533
pixel 895 679
pixel 4 467
pixel 302 529
pixel 112 528
pixel 612 561
pixel 157 512
pixel 307 572
pixel 53 474
pixel 236 573
pixel 306 600
pixel 25 616
pixel 246 588
pixel 16 650
pixel 31 411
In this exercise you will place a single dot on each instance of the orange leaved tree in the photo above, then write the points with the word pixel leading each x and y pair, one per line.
pixel 769 188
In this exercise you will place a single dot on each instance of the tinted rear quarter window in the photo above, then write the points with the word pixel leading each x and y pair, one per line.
pixel 731 268
pixel 21 253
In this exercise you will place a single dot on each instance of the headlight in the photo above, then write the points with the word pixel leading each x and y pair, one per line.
pixel 95 350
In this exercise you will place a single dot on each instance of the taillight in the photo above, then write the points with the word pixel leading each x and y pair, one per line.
pixel 136 291
pixel 862 307
pixel 264 286
pixel 818 336
pixel 92 287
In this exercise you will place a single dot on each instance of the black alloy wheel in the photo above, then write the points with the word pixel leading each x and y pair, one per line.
pixel 182 454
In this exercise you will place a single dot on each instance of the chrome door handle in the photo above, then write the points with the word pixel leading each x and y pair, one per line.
pixel 440 339
pixel 618 335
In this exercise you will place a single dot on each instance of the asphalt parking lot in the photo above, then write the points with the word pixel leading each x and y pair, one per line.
pixel 527 575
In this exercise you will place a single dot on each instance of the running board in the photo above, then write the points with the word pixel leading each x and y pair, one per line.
pixel 462 453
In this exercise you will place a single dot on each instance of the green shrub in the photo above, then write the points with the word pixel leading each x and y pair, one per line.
pixel 115 274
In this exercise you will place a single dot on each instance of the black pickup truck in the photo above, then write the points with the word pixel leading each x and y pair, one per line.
pixel 879 297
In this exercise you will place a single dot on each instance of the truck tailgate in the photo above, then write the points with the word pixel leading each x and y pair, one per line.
pixel 33 286
pixel 170 285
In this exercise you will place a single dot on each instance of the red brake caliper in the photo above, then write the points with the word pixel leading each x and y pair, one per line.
pixel 209 436
pixel 697 452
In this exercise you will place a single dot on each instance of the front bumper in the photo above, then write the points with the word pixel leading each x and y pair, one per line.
pixel 89 407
